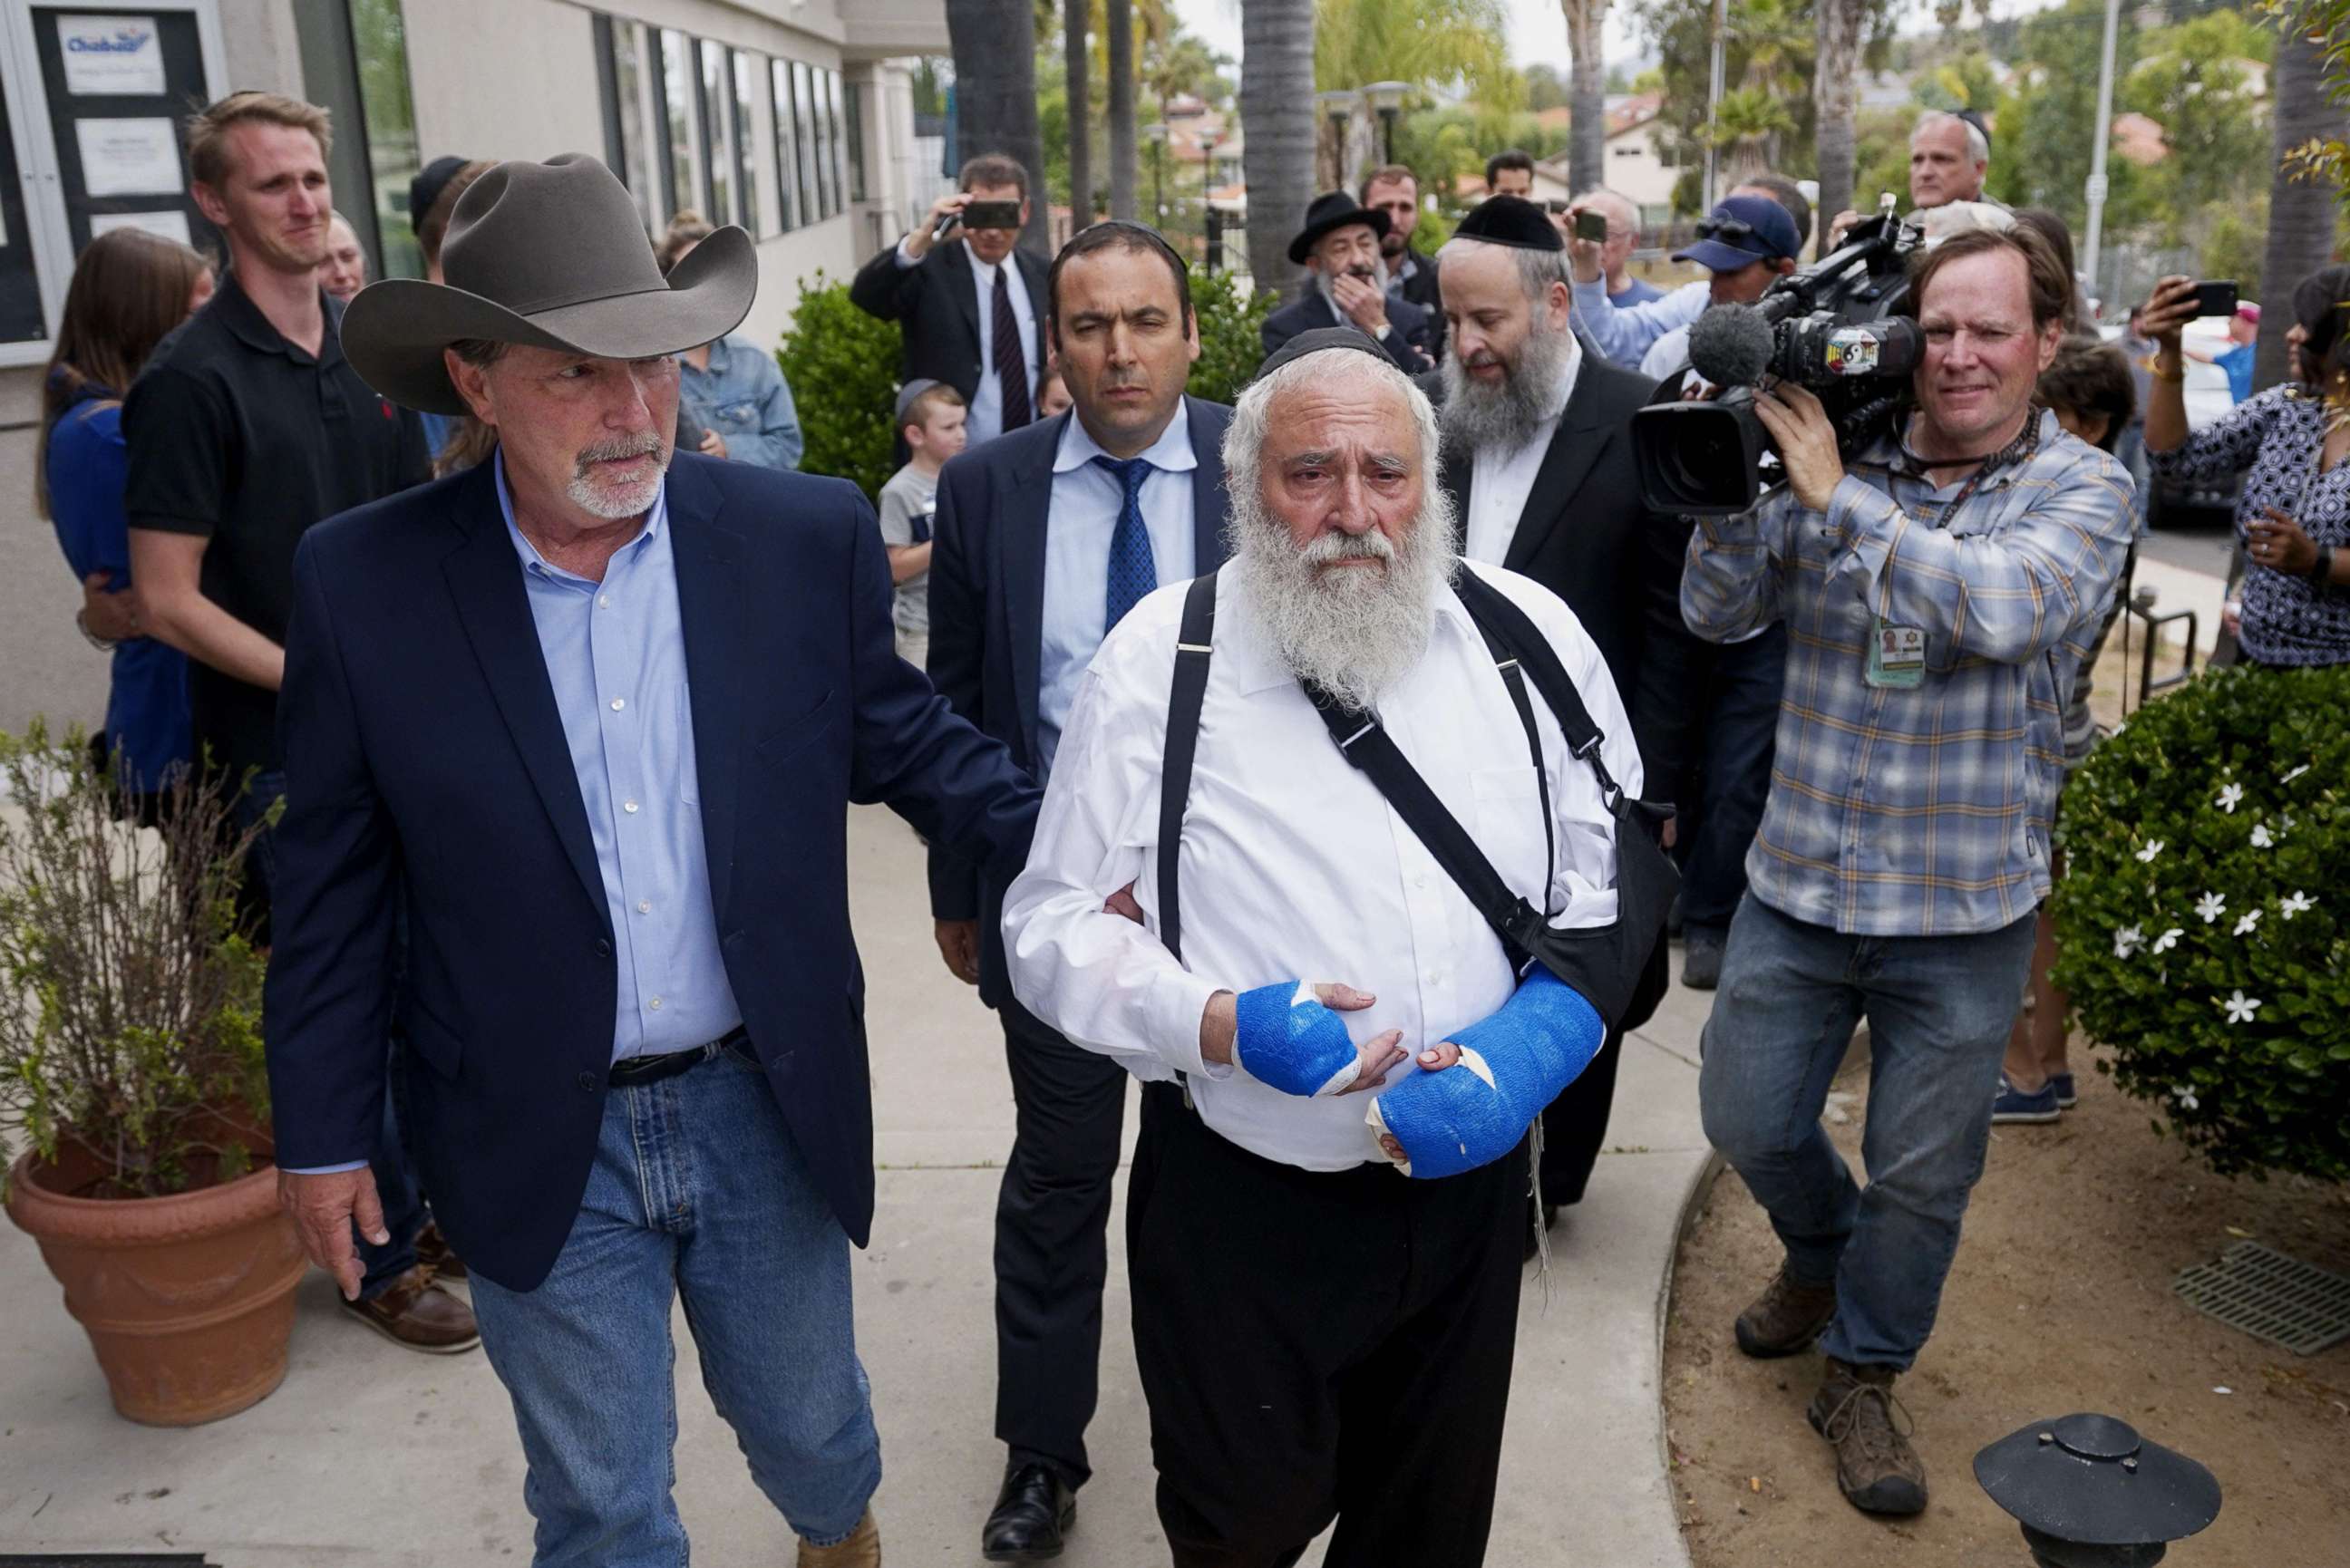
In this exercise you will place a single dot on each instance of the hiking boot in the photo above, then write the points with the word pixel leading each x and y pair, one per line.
pixel 1877 1469
pixel 1786 1318
pixel 861 1550
pixel 1701 947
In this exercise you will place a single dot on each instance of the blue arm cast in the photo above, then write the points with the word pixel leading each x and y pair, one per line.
pixel 1287 1038
pixel 1511 1065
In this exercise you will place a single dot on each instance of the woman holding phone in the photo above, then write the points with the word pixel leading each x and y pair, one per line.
pixel 2290 442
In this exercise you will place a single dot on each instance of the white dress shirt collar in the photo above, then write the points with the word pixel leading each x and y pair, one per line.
pixel 1170 453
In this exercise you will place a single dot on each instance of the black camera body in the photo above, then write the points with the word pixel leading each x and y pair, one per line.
pixel 1837 329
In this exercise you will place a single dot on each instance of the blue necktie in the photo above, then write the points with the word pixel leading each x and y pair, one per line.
pixel 1132 572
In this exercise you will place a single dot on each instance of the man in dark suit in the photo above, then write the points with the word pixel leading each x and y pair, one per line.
pixel 1043 541
pixel 594 723
pixel 1348 286
pixel 970 308
pixel 1412 272
pixel 1538 461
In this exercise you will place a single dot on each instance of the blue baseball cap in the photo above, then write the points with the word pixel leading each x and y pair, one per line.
pixel 1741 231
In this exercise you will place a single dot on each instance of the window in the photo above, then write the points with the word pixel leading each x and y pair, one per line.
pixel 21 319
pixel 717 130
pixel 803 121
pixel 787 155
pixel 746 141
pixel 623 74
pixel 835 155
pixel 681 179
pixel 856 91
pixel 380 38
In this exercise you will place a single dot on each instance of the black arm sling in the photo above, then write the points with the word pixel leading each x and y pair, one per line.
pixel 1619 968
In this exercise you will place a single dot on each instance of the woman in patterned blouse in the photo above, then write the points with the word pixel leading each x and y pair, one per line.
pixel 2288 441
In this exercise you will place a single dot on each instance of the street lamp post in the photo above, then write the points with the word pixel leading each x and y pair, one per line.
pixel 1386 97
pixel 1339 104
pixel 1155 133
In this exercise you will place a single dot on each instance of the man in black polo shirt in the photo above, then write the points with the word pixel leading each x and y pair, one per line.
pixel 248 427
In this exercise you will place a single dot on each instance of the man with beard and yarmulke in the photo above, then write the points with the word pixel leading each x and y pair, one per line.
pixel 1339 248
pixel 1538 462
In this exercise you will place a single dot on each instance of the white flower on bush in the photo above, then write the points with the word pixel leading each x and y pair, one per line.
pixel 2185 1097
pixel 2262 837
pixel 2153 848
pixel 2295 775
pixel 2168 940
pixel 2244 927
pixel 2296 904
pixel 2241 1007
pixel 2230 798
pixel 2212 906
pixel 2127 940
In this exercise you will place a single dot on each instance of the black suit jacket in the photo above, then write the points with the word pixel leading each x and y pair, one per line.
pixel 988 550
pixel 1422 290
pixel 426 768
pixel 1406 342
pixel 935 303
pixel 1585 534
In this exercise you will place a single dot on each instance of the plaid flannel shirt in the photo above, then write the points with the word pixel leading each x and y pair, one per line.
pixel 1919 812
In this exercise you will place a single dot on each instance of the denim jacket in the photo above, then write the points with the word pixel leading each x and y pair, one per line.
pixel 744 398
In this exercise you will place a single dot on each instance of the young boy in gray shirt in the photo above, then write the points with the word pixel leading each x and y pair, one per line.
pixel 930 417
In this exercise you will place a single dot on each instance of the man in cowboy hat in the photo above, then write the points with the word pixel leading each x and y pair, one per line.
pixel 1339 246
pixel 593 721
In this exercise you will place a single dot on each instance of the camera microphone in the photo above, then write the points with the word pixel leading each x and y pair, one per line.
pixel 1730 345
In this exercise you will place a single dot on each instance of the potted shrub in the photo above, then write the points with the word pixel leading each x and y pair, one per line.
pixel 132 1085
pixel 2204 921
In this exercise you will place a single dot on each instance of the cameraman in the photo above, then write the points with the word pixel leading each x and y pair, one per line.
pixel 1938 596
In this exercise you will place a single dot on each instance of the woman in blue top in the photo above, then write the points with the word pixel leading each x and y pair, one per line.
pixel 130 289
pixel 734 388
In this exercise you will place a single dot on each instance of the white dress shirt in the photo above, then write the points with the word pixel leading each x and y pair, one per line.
pixel 1292 865
pixel 1502 478
pixel 1086 500
pixel 984 420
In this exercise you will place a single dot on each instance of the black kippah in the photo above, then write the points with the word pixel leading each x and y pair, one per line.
pixel 1511 220
pixel 1315 339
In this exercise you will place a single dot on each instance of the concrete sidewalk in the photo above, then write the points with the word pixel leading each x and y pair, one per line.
pixel 375 1456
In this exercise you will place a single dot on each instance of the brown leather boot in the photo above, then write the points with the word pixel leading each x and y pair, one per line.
pixel 1786 1318
pixel 433 1251
pixel 1877 1469
pixel 861 1550
pixel 418 1313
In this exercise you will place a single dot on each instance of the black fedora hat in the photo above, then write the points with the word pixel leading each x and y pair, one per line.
pixel 549 255
pixel 1334 209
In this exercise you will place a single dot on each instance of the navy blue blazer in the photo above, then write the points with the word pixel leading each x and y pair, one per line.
pixel 987 619
pixel 1415 338
pixel 425 767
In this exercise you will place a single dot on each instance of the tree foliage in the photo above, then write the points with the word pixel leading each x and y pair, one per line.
pixel 842 367
pixel 2325 24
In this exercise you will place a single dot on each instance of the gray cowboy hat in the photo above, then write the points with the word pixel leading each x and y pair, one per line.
pixel 550 255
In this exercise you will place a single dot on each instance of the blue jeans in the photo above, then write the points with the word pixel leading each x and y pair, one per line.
pixel 404 1211
pixel 1938 1011
pixel 697 1189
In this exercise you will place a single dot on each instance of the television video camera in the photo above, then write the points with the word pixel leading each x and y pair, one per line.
pixel 1835 329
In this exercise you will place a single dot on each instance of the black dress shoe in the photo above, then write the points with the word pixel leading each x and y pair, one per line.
pixel 1031 1515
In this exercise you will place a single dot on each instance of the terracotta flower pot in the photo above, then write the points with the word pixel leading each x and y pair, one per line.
pixel 188 1300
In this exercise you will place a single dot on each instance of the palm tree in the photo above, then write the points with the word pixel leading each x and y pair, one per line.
pixel 1081 130
pixel 2300 209
pixel 1586 158
pixel 994 44
pixel 1277 125
pixel 1837 103
pixel 1121 107
pixel 1749 123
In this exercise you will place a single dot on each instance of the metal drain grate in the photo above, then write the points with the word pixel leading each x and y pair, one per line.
pixel 2282 1300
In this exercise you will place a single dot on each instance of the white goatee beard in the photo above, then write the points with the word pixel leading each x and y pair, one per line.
pixel 1352 631
pixel 616 502
pixel 1476 416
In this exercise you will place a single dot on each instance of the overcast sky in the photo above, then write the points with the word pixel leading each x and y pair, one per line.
pixel 1537 28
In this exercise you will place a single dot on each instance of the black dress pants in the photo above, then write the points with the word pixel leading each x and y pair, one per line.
pixel 1575 1125
pixel 1052 1242
pixel 1319 1344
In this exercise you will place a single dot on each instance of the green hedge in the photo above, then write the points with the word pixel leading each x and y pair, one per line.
pixel 2204 919
pixel 842 366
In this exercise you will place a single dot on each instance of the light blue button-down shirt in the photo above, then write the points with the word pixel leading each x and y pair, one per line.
pixel 615 652
pixel 1086 500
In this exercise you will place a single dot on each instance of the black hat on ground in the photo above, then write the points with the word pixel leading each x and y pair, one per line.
pixel 1334 209
pixel 1511 220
